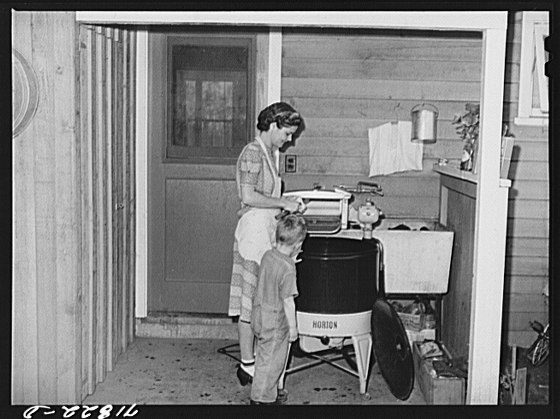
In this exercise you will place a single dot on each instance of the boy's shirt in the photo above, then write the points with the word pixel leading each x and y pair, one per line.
pixel 277 281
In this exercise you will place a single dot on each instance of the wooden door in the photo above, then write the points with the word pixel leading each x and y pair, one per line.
pixel 192 194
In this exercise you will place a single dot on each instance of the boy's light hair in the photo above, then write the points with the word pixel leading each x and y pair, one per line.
pixel 291 229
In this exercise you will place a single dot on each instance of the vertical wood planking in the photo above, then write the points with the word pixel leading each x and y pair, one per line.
pixel 106 111
pixel 124 212
pixel 67 205
pixel 140 176
pixel 131 139
pixel 108 187
pixel 122 340
pixel 95 208
pixel 116 225
pixel 105 209
pixel 43 51
pixel 457 302
pixel 101 304
pixel 25 388
pixel 72 252
pixel 86 130
pixel 118 188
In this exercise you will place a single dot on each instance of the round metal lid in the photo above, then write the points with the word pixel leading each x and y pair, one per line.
pixel 391 349
pixel 25 93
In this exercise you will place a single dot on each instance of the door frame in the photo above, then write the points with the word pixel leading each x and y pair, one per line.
pixel 491 207
pixel 142 153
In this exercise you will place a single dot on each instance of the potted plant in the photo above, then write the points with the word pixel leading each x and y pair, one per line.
pixel 467 127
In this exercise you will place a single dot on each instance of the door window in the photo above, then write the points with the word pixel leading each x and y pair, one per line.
pixel 209 97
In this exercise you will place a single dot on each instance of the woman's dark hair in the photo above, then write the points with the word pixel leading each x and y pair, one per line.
pixel 281 113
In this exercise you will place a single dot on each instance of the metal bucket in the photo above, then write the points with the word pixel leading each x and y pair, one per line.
pixel 424 123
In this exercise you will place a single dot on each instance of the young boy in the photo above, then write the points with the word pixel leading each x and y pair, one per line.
pixel 274 314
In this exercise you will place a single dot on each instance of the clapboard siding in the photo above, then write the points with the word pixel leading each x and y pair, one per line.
pixel 319 123
pixel 383 89
pixel 526 302
pixel 344 83
pixel 71 243
pixel 518 227
pixel 359 147
pixel 519 320
pixel 526 265
pixel 390 45
pixel 525 132
pixel 351 165
pixel 528 209
pixel 527 246
pixel 534 247
pixel 530 151
pixel 402 69
pixel 342 105
pixel 529 170
pixel 522 284
pixel 529 190
pixel 520 338
pixel 414 186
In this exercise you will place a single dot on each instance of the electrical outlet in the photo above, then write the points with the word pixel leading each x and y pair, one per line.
pixel 290 163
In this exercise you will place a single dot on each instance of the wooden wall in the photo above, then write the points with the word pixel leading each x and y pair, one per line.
pixel 107 83
pixel 526 270
pixel 458 213
pixel 46 219
pixel 73 209
pixel 344 82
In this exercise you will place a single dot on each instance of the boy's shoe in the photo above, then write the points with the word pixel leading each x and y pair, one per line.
pixel 282 396
pixel 243 376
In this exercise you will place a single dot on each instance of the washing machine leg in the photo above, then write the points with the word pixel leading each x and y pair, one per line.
pixel 362 348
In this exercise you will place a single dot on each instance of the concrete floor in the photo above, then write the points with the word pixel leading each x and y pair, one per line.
pixel 189 371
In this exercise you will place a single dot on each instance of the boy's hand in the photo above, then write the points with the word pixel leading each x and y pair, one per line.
pixel 293 334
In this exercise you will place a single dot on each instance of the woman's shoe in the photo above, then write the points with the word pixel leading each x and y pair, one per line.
pixel 265 403
pixel 243 376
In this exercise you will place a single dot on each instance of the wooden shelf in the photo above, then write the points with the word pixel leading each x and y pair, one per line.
pixel 456 173
pixel 464 175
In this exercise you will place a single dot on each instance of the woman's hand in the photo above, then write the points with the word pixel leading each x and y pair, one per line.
pixel 255 199
pixel 290 204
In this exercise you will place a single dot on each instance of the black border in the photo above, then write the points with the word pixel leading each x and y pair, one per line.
pixel 398 411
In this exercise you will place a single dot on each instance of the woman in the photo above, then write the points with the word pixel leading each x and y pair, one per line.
pixel 259 188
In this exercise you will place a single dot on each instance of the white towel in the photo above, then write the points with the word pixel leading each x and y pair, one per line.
pixel 391 151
